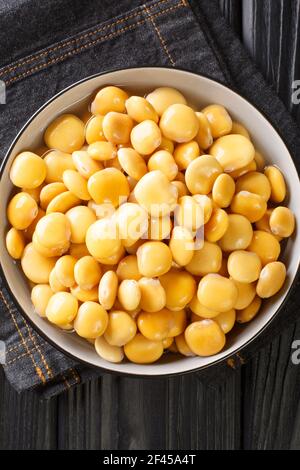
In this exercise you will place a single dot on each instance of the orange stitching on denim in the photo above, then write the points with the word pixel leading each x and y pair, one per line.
pixel 15 359
pixel 34 342
pixel 36 367
pixel 86 46
pixel 75 375
pixel 162 41
pixel 8 68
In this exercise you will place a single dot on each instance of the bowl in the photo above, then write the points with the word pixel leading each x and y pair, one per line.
pixel 199 91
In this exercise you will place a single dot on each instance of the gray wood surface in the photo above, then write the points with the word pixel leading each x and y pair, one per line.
pixel 254 407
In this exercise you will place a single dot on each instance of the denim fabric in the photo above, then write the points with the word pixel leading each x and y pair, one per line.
pixel 58 42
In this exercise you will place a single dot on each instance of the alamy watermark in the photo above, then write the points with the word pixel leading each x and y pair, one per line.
pixel 2 352
pixel 2 92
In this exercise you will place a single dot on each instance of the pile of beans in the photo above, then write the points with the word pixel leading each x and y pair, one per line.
pixel 144 225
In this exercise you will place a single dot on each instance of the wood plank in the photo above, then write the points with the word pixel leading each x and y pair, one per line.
pixel 232 12
pixel 25 421
pixel 271 413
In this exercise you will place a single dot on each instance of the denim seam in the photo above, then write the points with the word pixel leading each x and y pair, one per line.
pixel 89 44
pixel 161 39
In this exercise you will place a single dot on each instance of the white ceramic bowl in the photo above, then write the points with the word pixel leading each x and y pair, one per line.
pixel 200 91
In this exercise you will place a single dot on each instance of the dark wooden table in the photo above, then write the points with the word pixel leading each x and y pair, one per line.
pixel 254 407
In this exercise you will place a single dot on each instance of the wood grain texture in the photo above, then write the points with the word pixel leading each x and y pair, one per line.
pixel 255 407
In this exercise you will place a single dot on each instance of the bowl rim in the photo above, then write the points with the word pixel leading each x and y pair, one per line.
pixel 15 301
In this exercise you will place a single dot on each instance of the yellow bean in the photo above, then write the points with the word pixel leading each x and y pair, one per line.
pixel 153 295
pixel 15 243
pixel 182 346
pixel 36 267
pixel 128 268
pixel 154 259
pixel 34 193
pixel 64 270
pixel 142 350
pixel 85 164
pixel 55 284
pixel 205 337
pixel 159 228
pixel 180 288
pixel 117 127
pixel 167 342
pixel 282 221
pixel 246 293
pixel 114 259
pixel 93 129
pixel 217 293
pixel 232 151
pixel 260 161
pixel 166 144
pixel 265 246
pixel 109 185
pixel 78 250
pixel 256 183
pixel 102 151
pixel 51 252
pixel 160 202
pixel 121 328
pixel 65 133
pixel 62 308
pixel 181 188
pixel 277 182
pixel 156 325
pixel 242 171
pixel 91 320
pixel 163 97
pixel 80 219
pixel 163 161
pixel 53 231
pixel 250 205
pixel 40 296
pixel 223 190
pixel 217 225
pixel 85 295
pixel 271 279
pixel 206 205
pixel 264 223
pixel 189 213
pixel 29 231
pixel 109 98
pixel 146 137
pixel 77 184
pixel 219 120
pixel 101 238
pixel 182 245
pixel 57 162
pixel 108 287
pixel 129 294
pixel 179 123
pixel 139 109
pixel 21 211
pixel 185 153
pixel 206 260
pixel 50 191
pixel 87 272
pixel 28 170
pixel 109 353
pixel 132 163
pixel 247 314
pixel 62 202
pixel 238 235
pixel 238 128
pixel 204 136
pixel 226 320
pixel 201 311
pixel 201 174
pixel 132 222
pixel 244 266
